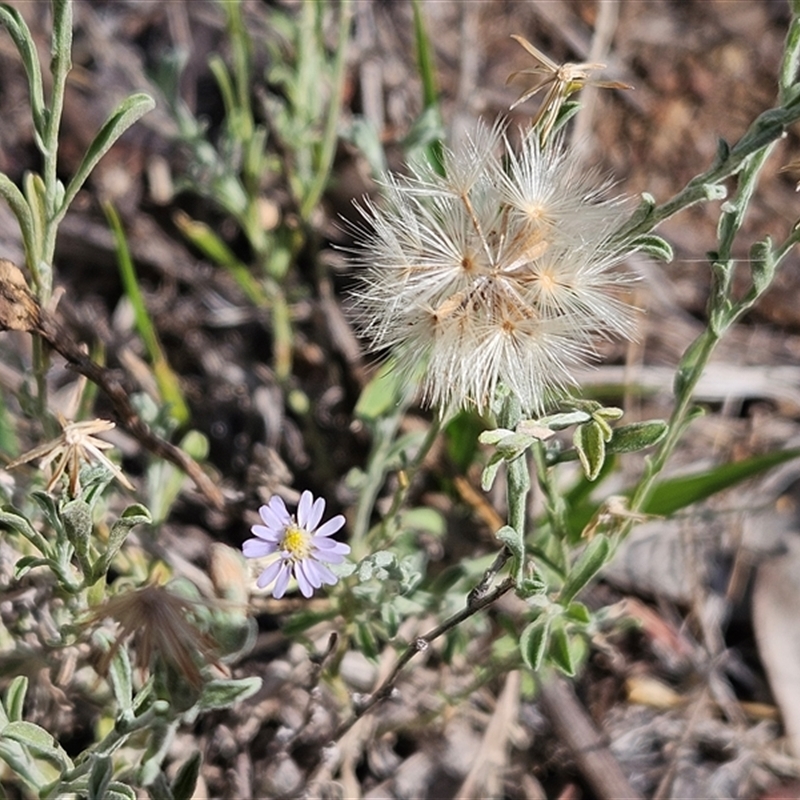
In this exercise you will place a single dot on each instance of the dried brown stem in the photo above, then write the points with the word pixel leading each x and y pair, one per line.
pixel 576 730
pixel 419 645
pixel 20 311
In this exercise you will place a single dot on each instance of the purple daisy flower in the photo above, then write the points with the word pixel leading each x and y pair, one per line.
pixel 303 545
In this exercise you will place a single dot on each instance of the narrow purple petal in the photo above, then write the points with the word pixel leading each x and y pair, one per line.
pixel 305 586
pixel 269 534
pixel 269 574
pixel 279 590
pixel 278 507
pixel 304 509
pixel 325 575
pixel 310 570
pixel 256 548
pixel 275 516
pixel 330 557
pixel 330 544
pixel 306 570
pixel 331 526
pixel 317 510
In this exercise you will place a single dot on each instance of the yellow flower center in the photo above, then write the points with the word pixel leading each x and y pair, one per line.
pixel 296 542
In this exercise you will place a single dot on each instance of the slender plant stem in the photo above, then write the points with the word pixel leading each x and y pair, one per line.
pixel 329 137
pixel 411 471
pixel 767 128
pixel 383 436
pixel 723 311
pixel 60 65
pixel 419 645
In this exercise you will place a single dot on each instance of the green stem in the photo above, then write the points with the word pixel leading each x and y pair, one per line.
pixel 723 311
pixel 60 65
pixel 695 360
pixel 329 137
pixel 767 128
pixel 384 433
pixel 791 57
pixel 41 265
pixel 518 478
pixel 413 468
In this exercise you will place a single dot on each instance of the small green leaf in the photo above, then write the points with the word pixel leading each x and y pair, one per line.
pixel 120 676
pixel 688 363
pixel 126 114
pixel 27 563
pixel 78 525
pixel 49 506
pixel 22 211
pixel 38 741
pixel 654 246
pixel 643 211
pixel 185 781
pixel 34 190
pixel 33 736
pixel 578 612
pixel 490 471
pixel 513 446
pixel 99 777
pixel 15 698
pixel 589 563
pixel 18 29
pixel 555 422
pixel 495 436
pixel 590 443
pixel 120 791
pixel 382 394
pixel 11 519
pixel 637 436
pixel 534 641
pixel 560 651
pixel 23 767
pixel 610 413
pixel 513 540
pixel 224 694
pixel 606 431
pixel 762 266
pixel 132 516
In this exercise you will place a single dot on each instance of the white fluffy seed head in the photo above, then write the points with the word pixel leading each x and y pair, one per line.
pixel 500 273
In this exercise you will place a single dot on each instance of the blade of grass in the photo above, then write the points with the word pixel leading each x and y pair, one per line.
pixel 427 73
pixel 675 494
pixel 672 495
pixel 263 294
pixel 166 379
pixel 327 148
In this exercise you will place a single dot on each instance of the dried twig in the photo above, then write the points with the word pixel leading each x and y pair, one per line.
pixel 20 311
pixel 576 730
pixel 419 645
